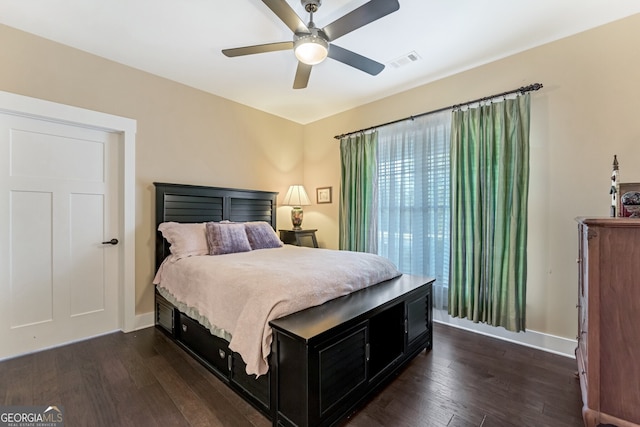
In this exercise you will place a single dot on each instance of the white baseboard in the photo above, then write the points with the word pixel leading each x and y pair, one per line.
pixel 540 340
pixel 144 320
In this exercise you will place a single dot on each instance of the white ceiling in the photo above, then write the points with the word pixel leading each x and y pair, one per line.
pixel 182 40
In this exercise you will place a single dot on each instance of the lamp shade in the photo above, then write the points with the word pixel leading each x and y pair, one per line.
pixel 296 196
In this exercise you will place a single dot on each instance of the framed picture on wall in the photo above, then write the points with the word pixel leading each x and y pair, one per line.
pixel 323 195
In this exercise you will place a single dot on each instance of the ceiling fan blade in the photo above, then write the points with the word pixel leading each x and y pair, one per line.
pixel 287 15
pixel 365 14
pixel 302 76
pixel 354 60
pixel 260 48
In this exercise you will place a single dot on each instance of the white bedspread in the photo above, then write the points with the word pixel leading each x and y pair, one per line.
pixel 236 295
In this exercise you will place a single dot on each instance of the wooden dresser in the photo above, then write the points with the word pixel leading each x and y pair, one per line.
pixel 608 352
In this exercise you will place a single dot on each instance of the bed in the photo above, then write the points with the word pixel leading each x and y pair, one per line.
pixel 320 362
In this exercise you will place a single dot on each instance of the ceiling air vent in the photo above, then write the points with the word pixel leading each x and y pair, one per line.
pixel 405 60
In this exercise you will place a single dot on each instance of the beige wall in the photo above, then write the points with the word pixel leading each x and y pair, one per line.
pixel 184 135
pixel 587 112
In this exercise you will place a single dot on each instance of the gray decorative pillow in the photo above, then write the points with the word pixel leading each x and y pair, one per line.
pixel 226 238
pixel 261 235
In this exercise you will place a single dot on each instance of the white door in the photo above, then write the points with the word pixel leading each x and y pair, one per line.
pixel 58 204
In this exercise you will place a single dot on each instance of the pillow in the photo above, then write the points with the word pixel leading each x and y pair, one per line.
pixel 261 235
pixel 226 238
pixel 186 239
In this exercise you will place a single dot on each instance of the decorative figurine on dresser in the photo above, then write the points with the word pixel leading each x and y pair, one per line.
pixel 608 351
pixel 613 191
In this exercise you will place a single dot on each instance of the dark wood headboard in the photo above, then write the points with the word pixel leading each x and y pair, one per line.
pixel 193 203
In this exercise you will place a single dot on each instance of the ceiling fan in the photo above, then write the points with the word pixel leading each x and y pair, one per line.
pixel 312 45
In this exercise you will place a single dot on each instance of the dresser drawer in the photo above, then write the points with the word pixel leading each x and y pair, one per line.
pixel 212 349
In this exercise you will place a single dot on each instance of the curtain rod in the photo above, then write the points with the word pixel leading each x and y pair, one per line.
pixel 521 90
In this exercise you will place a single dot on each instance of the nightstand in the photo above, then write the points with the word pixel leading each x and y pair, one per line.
pixel 299 237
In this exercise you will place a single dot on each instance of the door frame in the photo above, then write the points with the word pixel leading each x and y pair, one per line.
pixel 125 128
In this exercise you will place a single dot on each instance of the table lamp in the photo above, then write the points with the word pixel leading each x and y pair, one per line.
pixel 296 197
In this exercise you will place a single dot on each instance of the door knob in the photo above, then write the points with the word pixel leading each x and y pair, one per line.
pixel 111 242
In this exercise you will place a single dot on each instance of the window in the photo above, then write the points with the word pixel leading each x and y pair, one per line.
pixel 414 196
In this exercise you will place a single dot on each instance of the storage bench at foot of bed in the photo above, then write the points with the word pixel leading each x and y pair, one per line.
pixel 329 359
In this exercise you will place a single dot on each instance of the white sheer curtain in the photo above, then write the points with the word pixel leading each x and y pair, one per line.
pixel 414 198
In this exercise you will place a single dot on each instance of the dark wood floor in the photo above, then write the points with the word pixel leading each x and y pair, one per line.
pixel 142 379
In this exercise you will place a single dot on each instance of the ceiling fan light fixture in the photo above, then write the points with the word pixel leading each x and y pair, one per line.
pixel 311 49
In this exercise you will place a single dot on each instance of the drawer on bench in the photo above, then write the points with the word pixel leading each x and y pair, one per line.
pixel 212 349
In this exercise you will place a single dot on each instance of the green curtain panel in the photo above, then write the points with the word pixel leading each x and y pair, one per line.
pixel 489 192
pixel 358 189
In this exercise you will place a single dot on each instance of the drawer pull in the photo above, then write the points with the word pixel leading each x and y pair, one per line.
pixel 184 328
pixel 221 353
